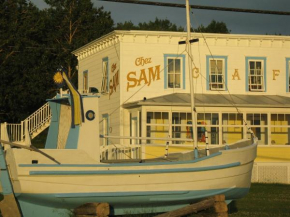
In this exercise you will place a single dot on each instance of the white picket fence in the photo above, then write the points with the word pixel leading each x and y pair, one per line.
pixel 36 122
pixel 271 172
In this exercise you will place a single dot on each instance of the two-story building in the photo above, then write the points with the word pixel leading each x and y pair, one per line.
pixel 240 81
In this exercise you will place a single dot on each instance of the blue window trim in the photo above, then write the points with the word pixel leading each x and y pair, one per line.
pixel 225 58
pixel 287 74
pixel 247 72
pixel 106 59
pixel 86 72
pixel 106 117
pixel 166 56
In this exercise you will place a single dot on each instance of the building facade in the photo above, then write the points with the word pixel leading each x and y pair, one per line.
pixel 240 82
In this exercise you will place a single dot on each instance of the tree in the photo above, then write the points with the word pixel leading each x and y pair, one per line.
pixel 33 43
pixel 74 23
pixel 127 25
pixel 157 25
pixel 213 27
pixel 22 60
pixel 166 25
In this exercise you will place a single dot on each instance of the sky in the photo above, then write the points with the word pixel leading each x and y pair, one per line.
pixel 238 23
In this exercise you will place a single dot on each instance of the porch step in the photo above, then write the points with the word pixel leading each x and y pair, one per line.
pixel 36 123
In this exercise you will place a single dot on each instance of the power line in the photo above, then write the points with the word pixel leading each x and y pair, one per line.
pixel 200 7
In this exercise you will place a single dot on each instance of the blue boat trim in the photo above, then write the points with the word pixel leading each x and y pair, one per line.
pixel 119 172
pixel 124 164
pixel 4 177
pixel 120 194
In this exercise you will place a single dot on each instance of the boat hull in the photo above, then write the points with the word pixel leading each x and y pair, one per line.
pixel 128 188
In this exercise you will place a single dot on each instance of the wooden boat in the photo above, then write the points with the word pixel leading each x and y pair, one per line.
pixel 52 182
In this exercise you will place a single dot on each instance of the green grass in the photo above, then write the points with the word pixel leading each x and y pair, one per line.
pixel 263 200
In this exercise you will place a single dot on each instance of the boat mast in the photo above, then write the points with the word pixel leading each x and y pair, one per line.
pixel 188 47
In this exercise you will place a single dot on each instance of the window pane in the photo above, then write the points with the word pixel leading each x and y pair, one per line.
pixel 213 66
pixel 165 117
pixel 175 118
pixel 177 66
pixel 208 118
pixel 170 80
pixel 252 65
pixel 220 66
pixel 170 66
pixel 157 116
pixel 149 117
pixel 177 80
pixel 232 134
pixel 280 136
pixel 215 118
pixel 183 118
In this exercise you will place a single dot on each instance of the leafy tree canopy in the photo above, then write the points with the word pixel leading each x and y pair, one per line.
pixel 166 25
pixel 157 25
pixel 33 43
pixel 213 27
pixel 74 23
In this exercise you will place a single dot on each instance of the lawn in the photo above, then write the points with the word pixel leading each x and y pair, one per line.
pixel 263 200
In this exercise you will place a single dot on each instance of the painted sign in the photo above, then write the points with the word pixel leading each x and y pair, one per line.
pixel 141 61
pixel 147 75
pixel 236 75
pixel 275 74
pixel 195 72
pixel 114 81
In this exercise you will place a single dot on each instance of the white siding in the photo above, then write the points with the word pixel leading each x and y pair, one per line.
pixel 124 47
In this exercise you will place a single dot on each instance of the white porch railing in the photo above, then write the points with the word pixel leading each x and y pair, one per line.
pixel 120 152
pixel 36 122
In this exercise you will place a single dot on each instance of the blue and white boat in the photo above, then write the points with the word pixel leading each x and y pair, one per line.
pixel 53 181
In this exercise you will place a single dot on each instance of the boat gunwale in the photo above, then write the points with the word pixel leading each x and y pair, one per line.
pixel 144 171
pixel 110 165
pixel 166 162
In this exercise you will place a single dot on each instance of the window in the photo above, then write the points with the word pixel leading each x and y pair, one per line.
pixel 287 74
pixel 208 122
pixel 174 73
pixel 233 129
pixel 174 76
pixel 105 80
pixel 256 74
pixel 258 123
pixel 85 82
pixel 280 131
pixel 216 72
pixel 181 126
pixel 105 128
pixel 157 126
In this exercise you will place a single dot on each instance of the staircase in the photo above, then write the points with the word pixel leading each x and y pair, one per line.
pixel 36 122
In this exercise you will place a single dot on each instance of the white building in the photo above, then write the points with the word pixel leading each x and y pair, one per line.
pixel 143 81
